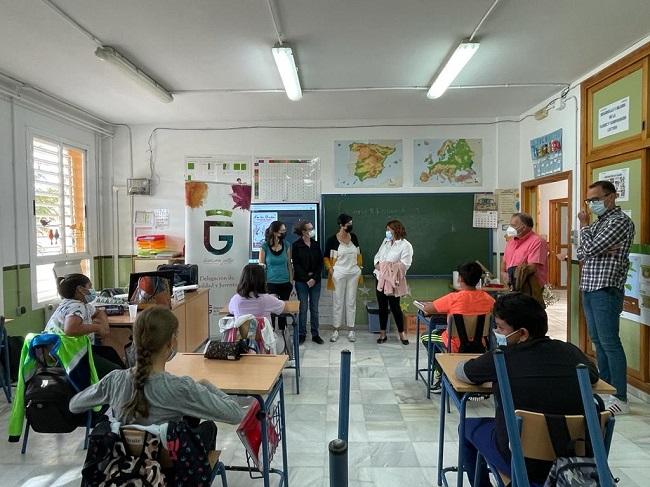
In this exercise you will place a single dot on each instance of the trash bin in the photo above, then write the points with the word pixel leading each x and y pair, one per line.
pixel 372 309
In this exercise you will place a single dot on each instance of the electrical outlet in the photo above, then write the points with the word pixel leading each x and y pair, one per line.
pixel 21 310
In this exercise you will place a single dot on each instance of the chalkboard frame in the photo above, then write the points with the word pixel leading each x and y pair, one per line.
pixel 323 235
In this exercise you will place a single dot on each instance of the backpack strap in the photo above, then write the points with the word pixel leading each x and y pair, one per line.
pixel 459 322
pixel 478 331
pixel 558 430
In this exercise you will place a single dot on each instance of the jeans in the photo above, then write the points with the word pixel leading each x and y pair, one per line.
pixel 308 296
pixel 480 435
pixel 602 311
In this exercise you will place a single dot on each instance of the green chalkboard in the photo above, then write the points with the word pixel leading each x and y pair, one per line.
pixel 439 226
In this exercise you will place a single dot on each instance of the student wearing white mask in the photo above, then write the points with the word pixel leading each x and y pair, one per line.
pixel 604 253
pixel 307 268
pixel 395 254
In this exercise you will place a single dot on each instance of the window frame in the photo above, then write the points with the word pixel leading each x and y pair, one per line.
pixel 35 259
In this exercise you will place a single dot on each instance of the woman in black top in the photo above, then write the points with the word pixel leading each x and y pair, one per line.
pixel 307 267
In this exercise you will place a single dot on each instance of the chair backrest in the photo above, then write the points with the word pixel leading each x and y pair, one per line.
pixel 536 439
pixel 470 325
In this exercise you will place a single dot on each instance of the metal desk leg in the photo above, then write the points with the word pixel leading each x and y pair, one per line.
pixel 296 351
pixel 417 345
pixel 429 363
pixel 4 344
pixel 283 432
pixel 461 438
pixel 441 434
pixel 266 464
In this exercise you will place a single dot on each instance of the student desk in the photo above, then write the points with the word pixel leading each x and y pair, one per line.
pixel 427 320
pixel 193 323
pixel 452 387
pixel 5 377
pixel 292 311
pixel 259 376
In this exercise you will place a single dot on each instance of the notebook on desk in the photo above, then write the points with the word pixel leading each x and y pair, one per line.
pixel 419 305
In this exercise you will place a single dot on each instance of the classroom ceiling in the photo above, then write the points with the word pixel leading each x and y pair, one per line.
pixel 225 45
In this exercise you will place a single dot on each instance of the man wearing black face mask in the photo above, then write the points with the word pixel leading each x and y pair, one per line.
pixel 342 260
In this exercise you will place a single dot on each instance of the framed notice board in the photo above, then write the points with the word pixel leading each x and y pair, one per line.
pixel 616 109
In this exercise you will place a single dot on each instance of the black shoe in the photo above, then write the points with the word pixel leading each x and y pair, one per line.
pixel 301 340
pixel 382 340
pixel 317 339
pixel 437 388
pixel 405 342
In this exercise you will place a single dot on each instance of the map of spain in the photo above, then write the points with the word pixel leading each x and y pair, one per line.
pixel 370 159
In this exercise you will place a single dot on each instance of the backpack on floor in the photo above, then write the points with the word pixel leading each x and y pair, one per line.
pixel 47 399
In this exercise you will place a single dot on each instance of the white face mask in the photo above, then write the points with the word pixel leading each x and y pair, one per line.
pixel 312 233
pixel 172 354
pixel 389 235
pixel 511 231
pixel 502 340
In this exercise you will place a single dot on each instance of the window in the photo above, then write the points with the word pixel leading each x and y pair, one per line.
pixel 59 208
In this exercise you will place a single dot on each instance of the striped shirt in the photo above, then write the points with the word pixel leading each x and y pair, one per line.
pixel 601 267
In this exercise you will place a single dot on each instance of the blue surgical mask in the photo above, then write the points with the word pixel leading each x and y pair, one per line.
pixel 91 296
pixel 389 235
pixel 597 207
pixel 502 340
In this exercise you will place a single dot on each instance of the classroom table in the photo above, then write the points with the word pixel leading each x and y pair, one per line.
pixel 452 387
pixel 427 320
pixel 292 311
pixel 5 377
pixel 259 376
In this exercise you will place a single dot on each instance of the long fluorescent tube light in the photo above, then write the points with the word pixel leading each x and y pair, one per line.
pixel 283 56
pixel 113 56
pixel 454 65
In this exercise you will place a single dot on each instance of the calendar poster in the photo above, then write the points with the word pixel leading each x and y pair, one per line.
pixel 220 169
pixel 485 211
pixel 286 180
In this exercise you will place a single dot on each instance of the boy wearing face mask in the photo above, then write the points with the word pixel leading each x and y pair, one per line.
pixel 604 253
pixel 524 247
pixel 542 375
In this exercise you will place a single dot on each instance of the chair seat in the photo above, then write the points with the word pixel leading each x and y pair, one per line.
pixel 213 457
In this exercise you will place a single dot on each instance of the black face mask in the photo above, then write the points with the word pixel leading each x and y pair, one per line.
pixel 282 236
pixel 348 228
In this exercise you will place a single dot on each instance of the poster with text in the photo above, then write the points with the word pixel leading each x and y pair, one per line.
pixel 447 162
pixel 620 178
pixel 222 169
pixel 368 163
pixel 546 154
pixel 217 229
pixel 636 303
pixel 286 180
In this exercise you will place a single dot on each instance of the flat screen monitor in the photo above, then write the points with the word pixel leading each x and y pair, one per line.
pixel 263 214
pixel 151 288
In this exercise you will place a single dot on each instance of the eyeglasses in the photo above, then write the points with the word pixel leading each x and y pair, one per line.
pixel 593 200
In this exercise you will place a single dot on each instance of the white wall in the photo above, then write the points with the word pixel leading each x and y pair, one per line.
pixel 171 148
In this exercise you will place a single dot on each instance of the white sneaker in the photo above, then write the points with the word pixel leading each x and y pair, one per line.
pixel 617 407
pixel 352 336
pixel 335 336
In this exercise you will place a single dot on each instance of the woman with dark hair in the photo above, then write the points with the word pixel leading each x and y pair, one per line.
pixel 307 268
pixel 76 316
pixel 392 261
pixel 275 255
pixel 343 263
pixel 252 297
pixel 146 394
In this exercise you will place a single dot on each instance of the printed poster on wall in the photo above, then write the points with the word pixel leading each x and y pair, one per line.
pixel 447 162
pixel 217 229
pixel 285 180
pixel 614 118
pixel 546 153
pixel 222 169
pixel 485 213
pixel 620 178
pixel 636 303
pixel 368 163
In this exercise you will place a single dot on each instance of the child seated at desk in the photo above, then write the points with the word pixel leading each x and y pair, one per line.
pixel 542 376
pixel 252 297
pixel 148 395
pixel 467 301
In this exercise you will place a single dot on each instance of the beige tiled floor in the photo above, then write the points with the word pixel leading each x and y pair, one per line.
pixel 393 428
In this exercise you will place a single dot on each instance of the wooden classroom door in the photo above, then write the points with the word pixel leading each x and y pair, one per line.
pixel 558 243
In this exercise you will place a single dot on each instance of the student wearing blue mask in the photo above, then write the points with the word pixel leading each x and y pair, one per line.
pixel 604 254
pixel 542 375
pixel 76 316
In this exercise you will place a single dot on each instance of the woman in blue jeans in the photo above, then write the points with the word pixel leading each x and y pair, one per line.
pixel 307 268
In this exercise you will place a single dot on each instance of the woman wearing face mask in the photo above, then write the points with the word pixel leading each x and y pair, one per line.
pixel 307 268
pixel 343 263
pixel 524 247
pixel 392 260
pixel 76 316
pixel 146 394
pixel 275 255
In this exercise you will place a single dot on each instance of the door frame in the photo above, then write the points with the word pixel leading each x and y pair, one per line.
pixel 554 265
pixel 530 191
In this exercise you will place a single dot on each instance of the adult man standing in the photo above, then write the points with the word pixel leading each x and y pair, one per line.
pixel 604 250
pixel 525 247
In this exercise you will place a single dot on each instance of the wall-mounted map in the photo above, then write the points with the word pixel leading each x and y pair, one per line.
pixel 368 164
pixel 447 162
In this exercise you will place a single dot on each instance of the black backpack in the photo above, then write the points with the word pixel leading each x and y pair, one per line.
pixel 47 398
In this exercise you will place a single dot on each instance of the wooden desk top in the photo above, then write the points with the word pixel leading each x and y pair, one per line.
pixel 449 361
pixel 8 320
pixel 292 308
pixel 125 319
pixel 252 374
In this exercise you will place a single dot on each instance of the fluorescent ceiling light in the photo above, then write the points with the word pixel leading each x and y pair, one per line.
pixel 454 65
pixel 111 55
pixel 283 56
